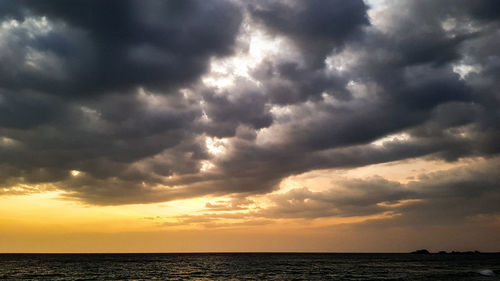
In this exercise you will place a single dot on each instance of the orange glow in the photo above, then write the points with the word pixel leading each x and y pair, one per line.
pixel 39 221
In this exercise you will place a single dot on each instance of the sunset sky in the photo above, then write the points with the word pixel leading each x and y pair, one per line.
pixel 261 125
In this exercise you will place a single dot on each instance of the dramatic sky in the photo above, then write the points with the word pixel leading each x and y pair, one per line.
pixel 260 125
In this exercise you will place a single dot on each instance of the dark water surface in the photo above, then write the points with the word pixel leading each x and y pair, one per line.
pixel 246 266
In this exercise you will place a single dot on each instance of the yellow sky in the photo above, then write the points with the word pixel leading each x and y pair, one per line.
pixel 50 222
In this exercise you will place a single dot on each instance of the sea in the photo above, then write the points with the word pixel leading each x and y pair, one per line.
pixel 249 266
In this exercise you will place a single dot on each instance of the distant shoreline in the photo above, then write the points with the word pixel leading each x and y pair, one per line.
pixel 426 252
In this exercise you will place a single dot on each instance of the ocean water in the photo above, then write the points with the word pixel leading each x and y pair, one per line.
pixel 246 266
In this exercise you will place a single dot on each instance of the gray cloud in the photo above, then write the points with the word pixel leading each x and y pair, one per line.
pixel 440 197
pixel 244 104
pixel 315 26
pixel 117 45
pixel 112 89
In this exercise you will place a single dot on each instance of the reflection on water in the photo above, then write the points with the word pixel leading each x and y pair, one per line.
pixel 245 266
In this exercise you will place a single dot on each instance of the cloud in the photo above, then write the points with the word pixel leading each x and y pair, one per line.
pixel 316 27
pixel 115 91
pixel 95 47
pixel 449 197
pixel 442 197
pixel 235 204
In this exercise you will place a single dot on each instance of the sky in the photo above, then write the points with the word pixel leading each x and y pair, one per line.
pixel 260 125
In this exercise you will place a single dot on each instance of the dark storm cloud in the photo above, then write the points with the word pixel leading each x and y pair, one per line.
pixel 287 82
pixel 114 45
pixel 71 81
pixel 411 85
pixel 36 109
pixel 104 143
pixel 315 26
pixel 112 89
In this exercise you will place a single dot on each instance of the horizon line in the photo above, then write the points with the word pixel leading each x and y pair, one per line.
pixel 240 252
